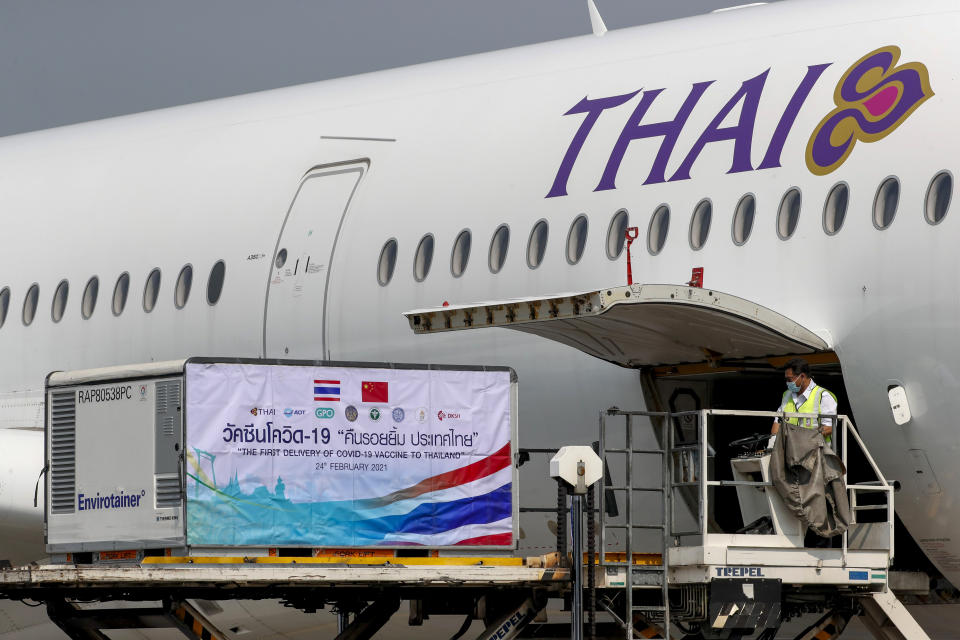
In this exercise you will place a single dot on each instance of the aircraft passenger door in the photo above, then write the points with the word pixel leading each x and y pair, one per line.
pixel 294 322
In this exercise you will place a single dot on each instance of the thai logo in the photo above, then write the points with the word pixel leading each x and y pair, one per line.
pixel 873 98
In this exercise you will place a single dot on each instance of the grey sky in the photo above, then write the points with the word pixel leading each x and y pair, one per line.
pixel 66 61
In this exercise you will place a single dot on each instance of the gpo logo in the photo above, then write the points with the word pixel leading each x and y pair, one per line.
pixel 324 413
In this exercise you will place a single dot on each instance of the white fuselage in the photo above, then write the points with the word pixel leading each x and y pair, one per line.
pixel 478 142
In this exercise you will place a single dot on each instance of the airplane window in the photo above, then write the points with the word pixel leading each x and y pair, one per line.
pixel 657 231
pixel 700 224
pixel 90 297
pixel 30 304
pixel 461 253
pixel 184 282
pixel 120 291
pixel 537 245
pixel 835 208
pixel 616 234
pixel 743 219
pixel 4 304
pixel 151 290
pixel 498 248
pixel 387 262
pixel 938 197
pixel 423 258
pixel 577 239
pixel 281 258
pixel 885 204
pixel 215 283
pixel 789 214
pixel 60 301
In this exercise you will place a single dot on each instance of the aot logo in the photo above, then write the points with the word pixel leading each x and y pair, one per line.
pixel 324 413
pixel 873 98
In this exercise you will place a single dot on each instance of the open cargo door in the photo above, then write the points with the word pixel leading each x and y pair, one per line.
pixel 639 325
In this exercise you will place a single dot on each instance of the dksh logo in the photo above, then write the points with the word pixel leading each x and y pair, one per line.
pixel 443 415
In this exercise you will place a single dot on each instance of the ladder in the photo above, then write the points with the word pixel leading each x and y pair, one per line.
pixel 622 484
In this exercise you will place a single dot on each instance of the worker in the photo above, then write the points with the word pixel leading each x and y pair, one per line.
pixel 803 395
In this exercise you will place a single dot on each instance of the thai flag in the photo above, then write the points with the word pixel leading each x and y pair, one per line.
pixel 326 391
pixel 469 506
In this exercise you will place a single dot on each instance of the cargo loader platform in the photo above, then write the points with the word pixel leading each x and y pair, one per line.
pixel 222 578
pixel 504 592
pixel 658 561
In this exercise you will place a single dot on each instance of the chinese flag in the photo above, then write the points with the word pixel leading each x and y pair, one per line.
pixel 374 392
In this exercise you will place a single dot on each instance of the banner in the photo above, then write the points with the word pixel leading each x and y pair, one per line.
pixel 347 456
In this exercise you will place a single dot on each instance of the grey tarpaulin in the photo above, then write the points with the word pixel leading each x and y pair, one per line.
pixel 808 476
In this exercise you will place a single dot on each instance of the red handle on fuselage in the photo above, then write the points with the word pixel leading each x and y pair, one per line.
pixel 631 234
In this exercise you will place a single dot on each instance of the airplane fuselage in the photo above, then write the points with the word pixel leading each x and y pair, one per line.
pixel 716 108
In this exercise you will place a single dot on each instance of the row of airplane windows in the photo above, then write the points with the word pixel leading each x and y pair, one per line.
pixel 497 256
pixel 88 304
pixel 885 204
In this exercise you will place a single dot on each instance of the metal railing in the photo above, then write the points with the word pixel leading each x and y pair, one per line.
pixel 685 467
pixel 840 423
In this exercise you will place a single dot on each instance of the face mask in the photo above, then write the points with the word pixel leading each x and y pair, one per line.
pixel 792 385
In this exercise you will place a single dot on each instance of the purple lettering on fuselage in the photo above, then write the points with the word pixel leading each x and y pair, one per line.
pixel 873 98
pixel 747 98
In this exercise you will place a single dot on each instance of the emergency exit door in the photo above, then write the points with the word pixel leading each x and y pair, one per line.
pixel 295 318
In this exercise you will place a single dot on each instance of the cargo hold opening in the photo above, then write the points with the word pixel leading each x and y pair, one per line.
pixel 752 385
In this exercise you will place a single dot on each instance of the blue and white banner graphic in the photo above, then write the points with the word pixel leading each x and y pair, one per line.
pixel 346 456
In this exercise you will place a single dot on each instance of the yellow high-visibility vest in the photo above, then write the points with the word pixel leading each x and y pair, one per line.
pixel 810 405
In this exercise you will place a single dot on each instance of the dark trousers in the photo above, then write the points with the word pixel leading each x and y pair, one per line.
pixel 814 541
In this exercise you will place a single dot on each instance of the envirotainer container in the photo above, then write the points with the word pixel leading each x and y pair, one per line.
pixel 216 453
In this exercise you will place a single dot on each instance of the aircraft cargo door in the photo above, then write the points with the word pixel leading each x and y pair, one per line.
pixel 295 318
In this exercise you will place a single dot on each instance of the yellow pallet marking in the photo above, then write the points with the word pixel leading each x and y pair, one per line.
pixel 646 559
pixel 453 561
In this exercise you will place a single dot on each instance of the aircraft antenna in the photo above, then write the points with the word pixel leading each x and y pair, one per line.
pixel 596 21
